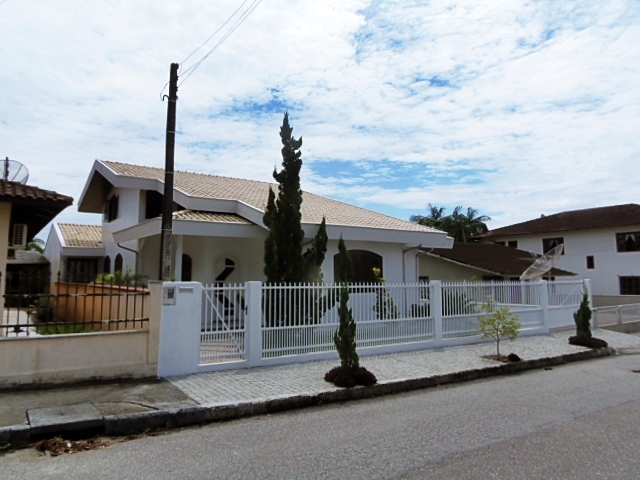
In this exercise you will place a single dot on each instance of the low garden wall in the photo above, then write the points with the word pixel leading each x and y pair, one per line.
pixel 67 358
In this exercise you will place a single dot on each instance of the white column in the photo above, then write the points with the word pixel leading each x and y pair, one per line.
pixel 436 309
pixel 544 303
pixel 253 323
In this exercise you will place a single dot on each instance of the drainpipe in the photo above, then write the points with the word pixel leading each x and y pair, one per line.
pixel 404 276
pixel 133 251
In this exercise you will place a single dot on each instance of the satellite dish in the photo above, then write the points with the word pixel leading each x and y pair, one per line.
pixel 14 171
pixel 543 264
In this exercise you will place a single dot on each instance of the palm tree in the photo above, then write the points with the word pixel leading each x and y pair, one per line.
pixel 458 225
pixel 433 220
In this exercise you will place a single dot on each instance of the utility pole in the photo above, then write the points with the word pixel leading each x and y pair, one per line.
pixel 167 201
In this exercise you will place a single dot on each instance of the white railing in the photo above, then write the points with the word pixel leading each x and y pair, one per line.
pixel 616 315
pixel 257 324
pixel 300 319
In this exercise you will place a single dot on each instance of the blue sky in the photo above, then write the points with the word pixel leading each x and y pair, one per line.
pixel 516 108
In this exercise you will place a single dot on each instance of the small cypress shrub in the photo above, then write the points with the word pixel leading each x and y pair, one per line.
pixel 582 317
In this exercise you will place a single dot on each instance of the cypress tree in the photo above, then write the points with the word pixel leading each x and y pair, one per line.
pixel 345 336
pixel 283 257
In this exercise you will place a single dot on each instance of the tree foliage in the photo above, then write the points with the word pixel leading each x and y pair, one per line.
pixel 345 336
pixel 461 226
pixel 385 306
pixel 37 245
pixel 498 323
pixel 582 317
pixel 283 257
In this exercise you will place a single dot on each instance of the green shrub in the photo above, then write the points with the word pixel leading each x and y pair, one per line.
pixel 120 278
pixel 62 329
pixel 582 317
pixel 498 323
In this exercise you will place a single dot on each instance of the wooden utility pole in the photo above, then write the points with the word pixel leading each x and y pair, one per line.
pixel 167 203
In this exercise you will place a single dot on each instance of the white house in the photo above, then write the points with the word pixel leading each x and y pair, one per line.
pixel 602 244
pixel 218 233
pixel 75 252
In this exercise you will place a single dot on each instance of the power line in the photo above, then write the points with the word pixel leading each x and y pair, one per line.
pixel 213 34
pixel 189 71
pixel 243 16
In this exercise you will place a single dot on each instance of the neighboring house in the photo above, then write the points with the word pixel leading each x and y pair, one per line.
pixel 76 253
pixel 602 244
pixel 218 233
pixel 478 262
pixel 24 211
pixel 27 273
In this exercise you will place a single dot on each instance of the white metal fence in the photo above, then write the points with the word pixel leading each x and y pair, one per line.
pixel 604 317
pixel 256 324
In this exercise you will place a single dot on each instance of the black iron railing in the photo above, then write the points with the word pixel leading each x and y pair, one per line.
pixel 40 308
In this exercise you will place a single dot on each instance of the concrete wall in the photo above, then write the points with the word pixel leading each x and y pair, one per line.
pixel 601 244
pixel 613 300
pixel 439 269
pixel 54 359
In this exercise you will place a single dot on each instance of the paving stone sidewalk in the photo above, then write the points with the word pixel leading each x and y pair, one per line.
pixel 266 383
pixel 126 407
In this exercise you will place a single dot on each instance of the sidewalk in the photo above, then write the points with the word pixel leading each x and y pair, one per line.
pixel 133 406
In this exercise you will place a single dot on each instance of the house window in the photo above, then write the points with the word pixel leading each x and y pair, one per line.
pixel 364 262
pixel 81 270
pixel 628 242
pixel 106 267
pixel 512 243
pixel 117 266
pixel 629 285
pixel 110 210
pixel 590 262
pixel 549 243
pixel 185 273
pixel 153 204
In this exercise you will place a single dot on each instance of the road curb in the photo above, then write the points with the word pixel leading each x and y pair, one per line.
pixel 19 436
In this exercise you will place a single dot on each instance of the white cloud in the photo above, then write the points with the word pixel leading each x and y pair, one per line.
pixel 513 107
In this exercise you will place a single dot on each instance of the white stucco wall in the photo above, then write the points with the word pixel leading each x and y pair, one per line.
pixel 601 244
pixel 128 214
pixel 52 251
pixel 439 269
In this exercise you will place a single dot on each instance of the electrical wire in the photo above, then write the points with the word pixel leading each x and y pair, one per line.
pixel 213 34
pixel 189 71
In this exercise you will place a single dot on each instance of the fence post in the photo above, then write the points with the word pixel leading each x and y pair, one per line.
pixel 436 309
pixel 619 314
pixel 587 286
pixel 544 303
pixel 253 323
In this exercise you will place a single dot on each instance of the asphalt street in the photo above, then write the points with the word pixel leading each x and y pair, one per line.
pixel 579 420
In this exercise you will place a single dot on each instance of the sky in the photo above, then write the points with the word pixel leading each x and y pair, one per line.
pixel 515 108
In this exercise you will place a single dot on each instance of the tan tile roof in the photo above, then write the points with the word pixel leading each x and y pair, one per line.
pixel 255 194
pixel 601 217
pixel 209 217
pixel 86 236
pixel 493 258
